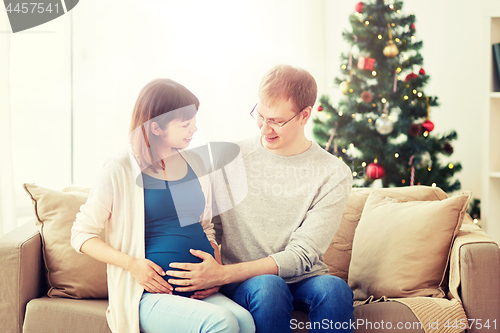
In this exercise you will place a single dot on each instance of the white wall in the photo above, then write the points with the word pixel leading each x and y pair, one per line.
pixel 40 104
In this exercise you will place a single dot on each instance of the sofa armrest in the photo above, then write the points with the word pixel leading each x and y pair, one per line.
pixel 480 284
pixel 21 274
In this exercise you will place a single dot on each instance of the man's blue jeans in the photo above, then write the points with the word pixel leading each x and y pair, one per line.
pixel 327 300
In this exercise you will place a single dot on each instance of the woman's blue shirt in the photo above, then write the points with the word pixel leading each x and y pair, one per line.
pixel 172 216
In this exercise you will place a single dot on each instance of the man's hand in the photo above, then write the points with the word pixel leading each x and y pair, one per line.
pixel 205 275
pixel 149 275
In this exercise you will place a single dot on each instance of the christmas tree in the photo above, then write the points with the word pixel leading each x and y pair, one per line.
pixel 381 127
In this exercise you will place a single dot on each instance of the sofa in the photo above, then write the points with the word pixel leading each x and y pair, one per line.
pixel 25 306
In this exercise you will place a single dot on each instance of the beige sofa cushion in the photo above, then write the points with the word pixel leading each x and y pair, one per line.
pixel 338 255
pixel 401 249
pixel 66 315
pixel 69 274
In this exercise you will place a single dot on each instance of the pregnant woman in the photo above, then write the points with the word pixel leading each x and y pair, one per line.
pixel 153 201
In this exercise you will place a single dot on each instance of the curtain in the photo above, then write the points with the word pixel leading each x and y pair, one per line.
pixel 8 219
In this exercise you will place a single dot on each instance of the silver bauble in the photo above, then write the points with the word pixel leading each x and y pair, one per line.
pixel 425 160
pixel 384 124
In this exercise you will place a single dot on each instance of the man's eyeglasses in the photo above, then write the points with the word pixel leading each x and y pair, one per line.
pixel 273 124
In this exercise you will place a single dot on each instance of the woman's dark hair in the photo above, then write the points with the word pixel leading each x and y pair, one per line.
pixel 160 101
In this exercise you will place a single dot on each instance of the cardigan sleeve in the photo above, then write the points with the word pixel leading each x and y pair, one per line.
pixel 94 214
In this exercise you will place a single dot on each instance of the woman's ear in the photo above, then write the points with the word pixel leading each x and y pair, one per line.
pixel 155 128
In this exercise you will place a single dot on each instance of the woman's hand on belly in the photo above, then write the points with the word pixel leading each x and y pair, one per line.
pixel 149 275
pixel 201 294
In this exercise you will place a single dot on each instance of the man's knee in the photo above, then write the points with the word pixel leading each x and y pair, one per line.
pixel 267 288
pixel 332 287
pixel 266 284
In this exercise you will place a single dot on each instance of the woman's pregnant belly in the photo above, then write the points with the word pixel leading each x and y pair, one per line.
pixel 173 245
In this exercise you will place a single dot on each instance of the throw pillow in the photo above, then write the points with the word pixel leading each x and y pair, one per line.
pixel 69 274
pixel 401 249
pixel 338 255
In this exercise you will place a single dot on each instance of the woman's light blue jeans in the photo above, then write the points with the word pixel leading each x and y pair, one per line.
pixel 327 300
pixel 161 313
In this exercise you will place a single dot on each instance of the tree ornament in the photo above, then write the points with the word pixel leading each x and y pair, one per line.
pixel 412 176
pixel 421 71
pixel 428 125
pixel 327 147
pixel 366 63
pixel 359 7
pixel 412 26
pixel 320 108
pixel 410 76
pixel 344 87
pixel 415 129
pixel 425 160
pixel 394 89
pixel 384 125
pixel 448 149
pixel 390 50
pixel 375 171
pixel 366 96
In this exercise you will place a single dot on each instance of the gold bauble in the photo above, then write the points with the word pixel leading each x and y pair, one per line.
pixel 391 50
pixel 344 87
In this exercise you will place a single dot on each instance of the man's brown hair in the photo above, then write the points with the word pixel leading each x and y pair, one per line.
pixel 287 82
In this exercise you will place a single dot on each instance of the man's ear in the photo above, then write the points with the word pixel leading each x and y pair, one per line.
pixel 306 114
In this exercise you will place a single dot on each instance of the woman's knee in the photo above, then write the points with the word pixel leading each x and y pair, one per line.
pixel 223 320
pixel 245 320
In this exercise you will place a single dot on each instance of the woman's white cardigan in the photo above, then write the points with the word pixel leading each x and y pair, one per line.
pixel 116 203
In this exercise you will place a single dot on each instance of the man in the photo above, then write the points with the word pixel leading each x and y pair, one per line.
pixel 274 240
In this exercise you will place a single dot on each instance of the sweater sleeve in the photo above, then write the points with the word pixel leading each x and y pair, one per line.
pixel 311 239
pixel 94 214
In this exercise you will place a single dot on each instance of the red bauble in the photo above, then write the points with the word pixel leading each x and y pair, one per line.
pixel 366 96
pixel 421 71
pixel 320 108
pixel 415 129
pixel 448 149
pixel 359 7
pixel 428 125
pixel 411 76
pixel 412 26
pixel 375 171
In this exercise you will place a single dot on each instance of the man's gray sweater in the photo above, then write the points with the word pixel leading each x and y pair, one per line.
pixel 291 212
